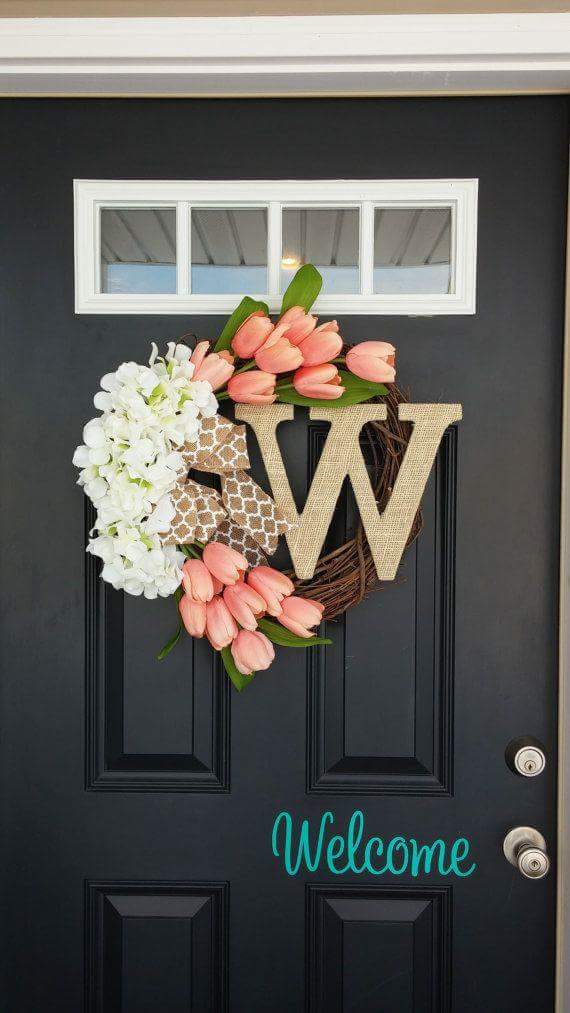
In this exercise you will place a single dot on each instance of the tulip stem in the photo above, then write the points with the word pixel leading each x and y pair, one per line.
pixel 249 365
pixel 190 551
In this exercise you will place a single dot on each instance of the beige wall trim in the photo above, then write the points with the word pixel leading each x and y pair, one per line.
pixel 328 55
pixel 257 8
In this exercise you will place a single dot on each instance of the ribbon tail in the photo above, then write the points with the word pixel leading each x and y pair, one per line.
pixel 210 511
pixel 199 511
pixel 251 509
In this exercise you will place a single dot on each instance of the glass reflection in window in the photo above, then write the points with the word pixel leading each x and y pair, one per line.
pixel 327 238
pixel 138 250
pixel 228 251
pixel 412 251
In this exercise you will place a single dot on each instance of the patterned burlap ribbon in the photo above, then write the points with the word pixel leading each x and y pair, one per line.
pixel 243 515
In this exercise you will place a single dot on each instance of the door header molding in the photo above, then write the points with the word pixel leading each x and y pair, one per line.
pixel 314 55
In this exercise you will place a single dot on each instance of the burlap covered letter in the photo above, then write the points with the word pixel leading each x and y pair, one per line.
pixel 387 533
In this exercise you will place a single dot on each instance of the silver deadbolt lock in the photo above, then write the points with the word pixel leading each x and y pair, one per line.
pixel 525 756
pixel 525 848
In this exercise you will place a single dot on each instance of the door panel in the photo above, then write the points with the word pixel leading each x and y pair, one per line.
pixel 382 724
pixel 130 923
pixel 378 950
pixel 145 734
pixel 138 798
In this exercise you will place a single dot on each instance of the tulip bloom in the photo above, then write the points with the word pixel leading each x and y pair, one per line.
pixel 224 562
pixel 216 368
pixel 197 580
pixel 220 624
pixel 254 387
pixel 373 360
pixel 295 325
pixel 245 604
pixel 252 652
pixel 300 614
pixel 278 355
pixel 322 382
pixel 324 344
pixel 193 614
pixel 272 585
pixel 251 335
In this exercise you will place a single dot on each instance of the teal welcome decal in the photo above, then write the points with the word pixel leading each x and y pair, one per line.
pixel 350 852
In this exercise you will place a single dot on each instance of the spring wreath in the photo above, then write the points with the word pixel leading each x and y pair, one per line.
pixel 159 532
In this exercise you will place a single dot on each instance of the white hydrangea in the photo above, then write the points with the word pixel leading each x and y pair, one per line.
pixel 130 460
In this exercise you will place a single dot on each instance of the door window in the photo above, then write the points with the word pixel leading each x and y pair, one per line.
pixel 382 246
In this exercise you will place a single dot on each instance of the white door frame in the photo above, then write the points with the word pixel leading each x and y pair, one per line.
pixel 436 54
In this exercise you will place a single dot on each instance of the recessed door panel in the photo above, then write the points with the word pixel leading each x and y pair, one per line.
pixel 380 699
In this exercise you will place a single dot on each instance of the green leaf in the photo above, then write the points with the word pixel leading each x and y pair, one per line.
pixel 284 638
pixel 170 644
pixel 189 551
pixel 303 289
pixel 240 681
pixel 246 307
pixel 356 391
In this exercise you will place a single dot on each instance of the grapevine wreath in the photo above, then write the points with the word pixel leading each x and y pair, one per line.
pixel 159 532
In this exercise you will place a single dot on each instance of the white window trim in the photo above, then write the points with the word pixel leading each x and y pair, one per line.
pixel 459 194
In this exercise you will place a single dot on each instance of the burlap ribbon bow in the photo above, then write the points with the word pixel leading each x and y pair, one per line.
pixel 243 515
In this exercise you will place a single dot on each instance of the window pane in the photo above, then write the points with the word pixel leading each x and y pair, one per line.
pixel 138 250
pixel 229 251
pixel 326 238
pixel 412 250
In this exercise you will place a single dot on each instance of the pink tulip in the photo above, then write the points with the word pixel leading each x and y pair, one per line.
pixel 218 586
pixel 245 604
pixel 254 387
pixel 251 335
pixel 193 615
pixel 216 368
pixel 373 360
pixel 295 325
pixel 199 354
pixel 272 585
pixel 300 614
pixel 197 580
pixel 278 355
pixel 224 562
pixel 289 315
pixel 252 652
pixel 300 328
pixel 322 382
pixel 220 624
pixel 324 344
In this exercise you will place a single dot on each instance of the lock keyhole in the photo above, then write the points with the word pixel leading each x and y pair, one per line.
pixel 526 756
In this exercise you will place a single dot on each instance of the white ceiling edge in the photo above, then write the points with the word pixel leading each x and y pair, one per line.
pixel 334 55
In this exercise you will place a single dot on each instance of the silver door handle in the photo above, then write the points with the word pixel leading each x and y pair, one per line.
pixel 525 848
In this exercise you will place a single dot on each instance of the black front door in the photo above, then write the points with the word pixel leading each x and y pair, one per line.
pixel 138 799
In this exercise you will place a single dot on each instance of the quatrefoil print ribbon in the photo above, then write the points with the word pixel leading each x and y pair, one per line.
pixel 243 515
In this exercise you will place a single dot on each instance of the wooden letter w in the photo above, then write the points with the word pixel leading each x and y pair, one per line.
pixel 388 532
